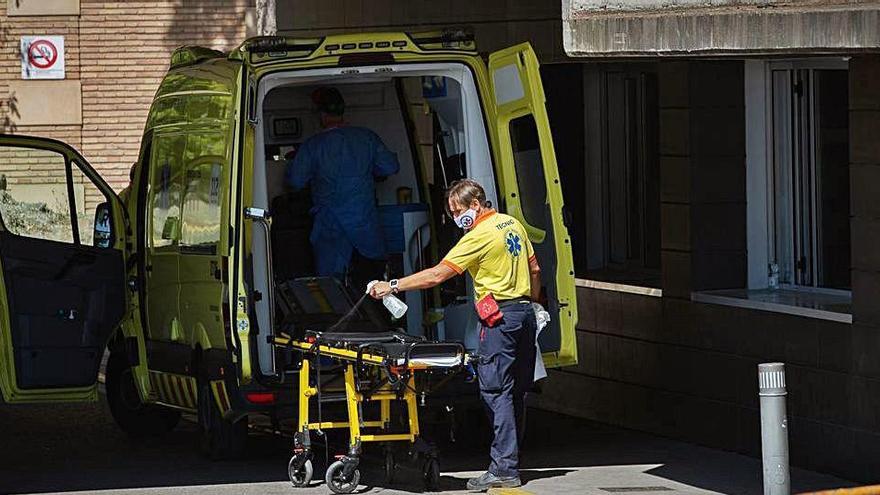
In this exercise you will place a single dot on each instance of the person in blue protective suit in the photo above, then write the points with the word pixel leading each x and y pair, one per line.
pixel 340 164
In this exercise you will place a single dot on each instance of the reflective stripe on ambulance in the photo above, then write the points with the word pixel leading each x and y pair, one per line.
pixel 175 390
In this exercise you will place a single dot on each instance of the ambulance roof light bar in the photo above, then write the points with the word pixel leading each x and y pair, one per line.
pixel 450 37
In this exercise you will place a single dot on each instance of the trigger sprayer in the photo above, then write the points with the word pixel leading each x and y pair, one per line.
pixel 395 306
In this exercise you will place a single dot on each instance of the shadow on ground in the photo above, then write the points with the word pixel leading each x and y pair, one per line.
pixel 78 448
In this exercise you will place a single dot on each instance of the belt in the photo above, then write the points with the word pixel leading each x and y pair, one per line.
pixel 509 302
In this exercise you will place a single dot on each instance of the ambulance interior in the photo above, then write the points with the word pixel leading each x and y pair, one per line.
pixel 431 117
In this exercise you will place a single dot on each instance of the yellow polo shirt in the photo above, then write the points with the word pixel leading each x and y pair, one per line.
pixel 496 252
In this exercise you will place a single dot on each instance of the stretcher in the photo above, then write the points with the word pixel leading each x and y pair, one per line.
pixel 377 367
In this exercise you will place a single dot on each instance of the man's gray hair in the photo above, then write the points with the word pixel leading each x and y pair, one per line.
pixel 464 192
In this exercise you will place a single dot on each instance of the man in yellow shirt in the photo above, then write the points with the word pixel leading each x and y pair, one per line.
pixel 498 255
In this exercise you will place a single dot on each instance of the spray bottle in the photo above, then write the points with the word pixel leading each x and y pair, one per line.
pixel 395 306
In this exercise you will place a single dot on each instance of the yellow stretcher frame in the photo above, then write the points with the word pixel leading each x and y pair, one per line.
pixel 354 399
pixel 343 476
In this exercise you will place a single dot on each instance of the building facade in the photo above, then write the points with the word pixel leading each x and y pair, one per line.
pixel 719 162
pixel 115 52
pixel 719 159
pixel 728 179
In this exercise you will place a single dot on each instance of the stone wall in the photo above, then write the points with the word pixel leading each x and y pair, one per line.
pixel 718 27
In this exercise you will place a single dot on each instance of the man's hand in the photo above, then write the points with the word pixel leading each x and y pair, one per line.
pixel 380 289
pixel 424 279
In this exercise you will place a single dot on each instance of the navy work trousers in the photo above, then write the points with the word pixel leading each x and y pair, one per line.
pixel 506 372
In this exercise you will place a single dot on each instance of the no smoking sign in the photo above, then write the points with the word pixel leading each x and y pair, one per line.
pixel 42 57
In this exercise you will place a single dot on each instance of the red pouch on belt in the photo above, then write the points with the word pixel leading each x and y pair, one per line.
pixel 488 310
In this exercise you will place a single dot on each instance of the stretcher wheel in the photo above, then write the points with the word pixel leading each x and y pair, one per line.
pixel 390 466
pixel 431 473
pixel 300 477
pixel 335 478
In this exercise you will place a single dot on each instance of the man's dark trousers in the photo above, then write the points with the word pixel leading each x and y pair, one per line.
pixel 506 372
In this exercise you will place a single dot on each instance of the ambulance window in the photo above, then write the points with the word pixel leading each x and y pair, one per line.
pixel 204 160
pixel 166 172
pixel 87 197
pixel 34 197
pixel 529 170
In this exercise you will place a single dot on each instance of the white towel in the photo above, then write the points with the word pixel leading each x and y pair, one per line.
pixel 437 362
pixel 543 317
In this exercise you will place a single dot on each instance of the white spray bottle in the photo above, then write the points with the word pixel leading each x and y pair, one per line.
pixel 395 306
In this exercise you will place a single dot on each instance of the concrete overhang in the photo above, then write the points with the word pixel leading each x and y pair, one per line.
pixel 639 28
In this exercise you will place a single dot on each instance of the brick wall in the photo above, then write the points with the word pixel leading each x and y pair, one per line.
pixel 11 31
pixel 119 50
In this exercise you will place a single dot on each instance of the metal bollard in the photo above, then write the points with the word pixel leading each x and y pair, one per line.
pixel 774 428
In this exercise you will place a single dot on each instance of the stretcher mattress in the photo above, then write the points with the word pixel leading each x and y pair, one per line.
pixel 397 347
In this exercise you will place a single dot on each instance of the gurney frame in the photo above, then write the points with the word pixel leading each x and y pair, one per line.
pixel 395 382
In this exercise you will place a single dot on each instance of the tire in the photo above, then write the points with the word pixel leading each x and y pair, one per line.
pixel 335 481
pixel 300 477
pixel 135 418
pixel 221 439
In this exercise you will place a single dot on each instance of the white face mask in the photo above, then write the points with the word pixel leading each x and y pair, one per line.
pixel 466 220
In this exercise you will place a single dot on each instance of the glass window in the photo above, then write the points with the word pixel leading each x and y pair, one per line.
pixel 810 245
pixel 631 176
pixel 611 182
pixel 529 170
pixel 34 198
pixel 87 197
pixel 166 177
pixel 204 161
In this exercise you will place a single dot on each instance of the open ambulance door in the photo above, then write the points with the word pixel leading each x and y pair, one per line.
pixel 62 271
pixel 530 189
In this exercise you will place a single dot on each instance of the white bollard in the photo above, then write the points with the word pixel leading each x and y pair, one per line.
pixel 774 428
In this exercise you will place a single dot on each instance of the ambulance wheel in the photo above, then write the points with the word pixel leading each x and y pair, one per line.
pixel 390 466
pixel 135 418
pixel 300 477
pixel 431 474
pixel 336 480
pixel 221 438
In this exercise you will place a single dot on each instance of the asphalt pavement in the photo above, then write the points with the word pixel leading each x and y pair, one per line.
pixel 76 448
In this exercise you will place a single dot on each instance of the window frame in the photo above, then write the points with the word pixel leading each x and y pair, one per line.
pixel 71 200
pixel 759 180
pixel 812 234
pixel 638 256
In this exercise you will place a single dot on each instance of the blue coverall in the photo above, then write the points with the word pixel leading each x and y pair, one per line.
pixel 340 164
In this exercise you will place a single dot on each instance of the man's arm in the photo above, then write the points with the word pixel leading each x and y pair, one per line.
pixel 385 161
pixel 424 279
pixel 299 169
pixel 535 279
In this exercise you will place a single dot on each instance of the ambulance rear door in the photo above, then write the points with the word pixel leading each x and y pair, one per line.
pixel 62 271
pixel 529 188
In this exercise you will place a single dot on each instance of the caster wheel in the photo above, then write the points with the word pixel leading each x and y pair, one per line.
pixel 300 477
pixel 431 473
pixel 390 466
pixel 336 480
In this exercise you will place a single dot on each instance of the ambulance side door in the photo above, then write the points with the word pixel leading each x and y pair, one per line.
pixel 530 190
pixel 62 271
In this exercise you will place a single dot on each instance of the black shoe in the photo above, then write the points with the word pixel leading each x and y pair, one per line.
pixel 488 480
